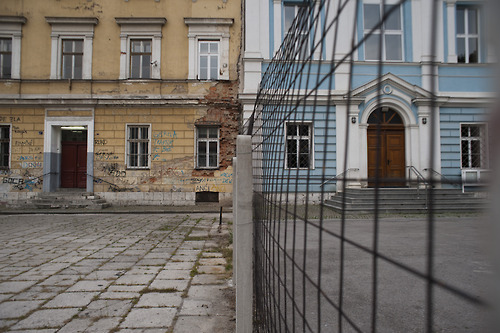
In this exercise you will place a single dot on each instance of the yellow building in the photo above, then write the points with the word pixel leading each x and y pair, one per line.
pixel 134 100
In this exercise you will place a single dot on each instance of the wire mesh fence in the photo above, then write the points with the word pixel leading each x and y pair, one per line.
pixel 323 270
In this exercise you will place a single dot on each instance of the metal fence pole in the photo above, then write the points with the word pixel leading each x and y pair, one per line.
pixel 244 235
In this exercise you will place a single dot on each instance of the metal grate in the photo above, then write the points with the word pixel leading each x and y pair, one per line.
pixel 317 270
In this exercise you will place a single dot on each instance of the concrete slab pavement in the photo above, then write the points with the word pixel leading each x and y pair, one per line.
pixel 115 273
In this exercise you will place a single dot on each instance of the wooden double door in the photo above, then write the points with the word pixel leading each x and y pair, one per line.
pixel 391 161
pixel 74 164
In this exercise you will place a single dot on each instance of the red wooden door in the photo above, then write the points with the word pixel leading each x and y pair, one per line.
pixel 391 164
pixel 74 165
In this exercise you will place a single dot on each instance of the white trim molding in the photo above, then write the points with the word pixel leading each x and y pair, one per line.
pixel 140 28
pixel 11 27
pixel 71 28
pixel 215 29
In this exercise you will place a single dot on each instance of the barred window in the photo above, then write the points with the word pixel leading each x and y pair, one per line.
pixel 474 148
pixel 207 141
pixel 138 146
pixel 299 148
pixel 4 147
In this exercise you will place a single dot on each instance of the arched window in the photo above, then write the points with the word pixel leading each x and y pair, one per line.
pixel 385 116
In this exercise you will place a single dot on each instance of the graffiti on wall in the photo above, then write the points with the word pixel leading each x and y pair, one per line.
pixel 104 155
pixel 163 142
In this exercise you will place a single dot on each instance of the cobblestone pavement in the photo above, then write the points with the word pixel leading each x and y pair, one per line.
pixel 115 273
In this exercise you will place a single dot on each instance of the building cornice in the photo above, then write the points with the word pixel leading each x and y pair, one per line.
pixel 208 21
pixel 141 20
pixel 71 20
pixel 13 19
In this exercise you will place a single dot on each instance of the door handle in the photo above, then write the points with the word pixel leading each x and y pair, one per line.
pixel 388 162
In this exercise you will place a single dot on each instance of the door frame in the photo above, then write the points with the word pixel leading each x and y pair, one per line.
pixel 385 129
pixel 411 134
pixel 52 149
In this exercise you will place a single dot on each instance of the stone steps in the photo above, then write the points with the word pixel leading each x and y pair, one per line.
pixel 406 200
pixel 68 200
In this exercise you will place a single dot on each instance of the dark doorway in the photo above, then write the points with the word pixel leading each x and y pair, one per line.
pixel 386 137
pixel 74 159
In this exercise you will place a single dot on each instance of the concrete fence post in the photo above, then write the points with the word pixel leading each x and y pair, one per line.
pixel 243 235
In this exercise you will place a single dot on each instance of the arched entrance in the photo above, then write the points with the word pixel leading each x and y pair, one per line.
pixel 386 148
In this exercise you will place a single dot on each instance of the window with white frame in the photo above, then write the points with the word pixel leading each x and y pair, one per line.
pixel 473 146
pixel 208 48
pixel 72 59
pixel 10 46
pixel 138 146
pixel 301 34
pixel 5 58
pixel 207 147
pixel 468 39
pixel 209 60
pixel 140 46
pixel 72 40
pixel 299 145
pixel 388 35
pixel 4 146
pixel 140 58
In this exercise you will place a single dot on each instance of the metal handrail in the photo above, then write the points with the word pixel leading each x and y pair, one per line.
pixel 448 181
pixel 418 174
pixel 337 177
pixel 420 178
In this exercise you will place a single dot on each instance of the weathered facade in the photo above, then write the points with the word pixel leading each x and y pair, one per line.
pixel 135 101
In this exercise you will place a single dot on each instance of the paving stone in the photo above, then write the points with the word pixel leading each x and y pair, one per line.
pixel 135 279
pixel 125 265
pixel 77 325
pixel 179 285
pixel 104 275
pixel 213 262
pixel 6 323
pixel 173 275
pixel 106 308
pixel 119 295
pixel 47 318
pixel 152 262
pixel 60 280
pixel 203 279
pixel 183 258
pixel 204 324
pixel 145 318
pixel 104 325
pixel 71 300
pixel 38 293
pixel 16 309
pixel 75 270
pixel 143 330
pixel 160 300
pixel 14 286
pixel 4 297
pixel 144 270
pixel 49 330
pixel 96 285
pixel 126 288
pixel 212 269
pixel 179 265
pixel 192 307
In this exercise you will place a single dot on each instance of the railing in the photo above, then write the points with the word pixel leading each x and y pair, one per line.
pixel 420 179
pixel 337 177
pixel 446 180
pixel 114 186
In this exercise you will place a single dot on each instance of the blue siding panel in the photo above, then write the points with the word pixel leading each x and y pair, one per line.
pixel 450 120
pixel 466 78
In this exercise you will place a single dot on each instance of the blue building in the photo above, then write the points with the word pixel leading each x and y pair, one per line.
pixel 429 98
